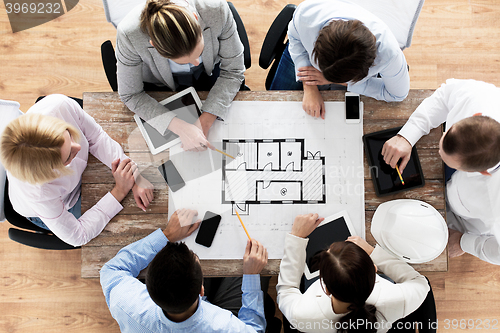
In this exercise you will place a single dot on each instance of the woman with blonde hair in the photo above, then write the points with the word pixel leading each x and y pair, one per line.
pixel 174 45
pixel 45 153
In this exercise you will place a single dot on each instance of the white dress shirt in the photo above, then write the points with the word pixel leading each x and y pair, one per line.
pixel 51 201
pixel 473 200
pixel 313 311
pixel 312 15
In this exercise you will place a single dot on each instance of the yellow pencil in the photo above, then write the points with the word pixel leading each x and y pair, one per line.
pixel 244 228
pixel 399 173
pixel 220 151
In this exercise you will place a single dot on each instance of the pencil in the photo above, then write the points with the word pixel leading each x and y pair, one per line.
pixel 399 174
pixel 244 228
pixel 220 151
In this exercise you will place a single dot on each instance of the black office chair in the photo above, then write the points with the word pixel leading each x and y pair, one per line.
pixel 275 42
pixel 109 58
pixel 36 237
pixel 425 315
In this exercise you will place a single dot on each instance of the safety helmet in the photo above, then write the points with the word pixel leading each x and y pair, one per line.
pixel 411 230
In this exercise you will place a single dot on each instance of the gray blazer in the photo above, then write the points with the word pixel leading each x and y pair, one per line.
pixel 138 61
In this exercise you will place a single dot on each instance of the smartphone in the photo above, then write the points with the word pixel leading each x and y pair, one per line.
pixel 352 108
pixel 171 176
pixel 208 229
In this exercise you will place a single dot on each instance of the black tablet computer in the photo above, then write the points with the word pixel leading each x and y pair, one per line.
pixel 386 179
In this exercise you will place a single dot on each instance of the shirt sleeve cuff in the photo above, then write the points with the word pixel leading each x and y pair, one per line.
pixel 112 205
pixel 158 240
pixel 467 243
pixel 410 133
pixel 251 282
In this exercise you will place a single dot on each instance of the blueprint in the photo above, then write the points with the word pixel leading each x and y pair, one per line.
pixel 285 163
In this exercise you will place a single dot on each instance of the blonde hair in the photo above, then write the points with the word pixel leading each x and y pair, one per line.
pixel 31 148
pixel 173 29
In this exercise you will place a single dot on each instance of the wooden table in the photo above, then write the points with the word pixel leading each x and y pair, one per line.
pixel 132 224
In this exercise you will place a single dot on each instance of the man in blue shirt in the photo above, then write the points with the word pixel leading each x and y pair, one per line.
pixel 172 299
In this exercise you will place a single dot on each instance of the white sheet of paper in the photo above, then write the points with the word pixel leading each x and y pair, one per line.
pixel 266 124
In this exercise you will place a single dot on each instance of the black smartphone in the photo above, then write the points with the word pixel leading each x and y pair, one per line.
pixel 208 229
pixel 352 114
pixel 171 175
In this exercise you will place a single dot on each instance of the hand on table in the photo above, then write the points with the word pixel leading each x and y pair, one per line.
pixel 123 173
pixel 454 248
pixel 255 257
pixel 143 192
pixel 305 224
pixel 394 149
pixel 361 243
pixel 191 136
pixel 175 231
pixel 313 103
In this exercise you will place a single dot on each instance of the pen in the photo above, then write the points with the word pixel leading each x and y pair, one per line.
pixel 219 151
pixel 399 174
pixel 243 224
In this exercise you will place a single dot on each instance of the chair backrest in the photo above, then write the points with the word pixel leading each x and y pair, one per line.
pixel 9 110
pixel 399 15
pixel 116 10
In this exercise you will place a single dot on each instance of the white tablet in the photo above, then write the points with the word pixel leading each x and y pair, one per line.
pixel 186 105
pixel 335 228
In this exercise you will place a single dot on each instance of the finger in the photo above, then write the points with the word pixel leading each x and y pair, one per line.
pixel 255 247
pixel 248 248
pixel 145 200
pixel 114 165
pixel 139 202
pixel 404 162
pixel 150 195
pixel 209 145
pixel 384 148
pixel 128 168
pixel 193 227
pixel 317 113
pixel 323 111
pixel 123 163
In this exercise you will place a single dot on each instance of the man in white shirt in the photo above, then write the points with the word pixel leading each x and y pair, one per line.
pixel 471 145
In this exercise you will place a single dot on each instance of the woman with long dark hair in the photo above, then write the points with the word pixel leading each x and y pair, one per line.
pixel 349 296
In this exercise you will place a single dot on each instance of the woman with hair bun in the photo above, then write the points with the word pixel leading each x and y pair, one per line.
pixel 349 296
pixel 174 45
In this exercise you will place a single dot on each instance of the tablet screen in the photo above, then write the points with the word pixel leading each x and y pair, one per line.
pixel 386 179
pixel 321 238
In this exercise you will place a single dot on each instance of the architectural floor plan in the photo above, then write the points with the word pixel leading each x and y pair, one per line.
pixel 271 171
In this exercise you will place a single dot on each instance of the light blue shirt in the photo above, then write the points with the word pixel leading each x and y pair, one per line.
pixel 130 305
pixel 312 15
pixel 182 68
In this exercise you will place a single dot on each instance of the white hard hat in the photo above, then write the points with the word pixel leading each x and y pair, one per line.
pixel 411 230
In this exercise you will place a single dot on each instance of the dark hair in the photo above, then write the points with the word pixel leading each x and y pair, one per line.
pixel 476 140
pixel 348 273
pixel 172 28
pixel 345 51
pixel 174 278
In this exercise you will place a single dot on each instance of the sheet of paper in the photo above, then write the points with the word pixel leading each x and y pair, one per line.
pixel 287 163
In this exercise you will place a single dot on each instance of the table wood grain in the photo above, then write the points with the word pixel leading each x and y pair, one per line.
pixel 132 224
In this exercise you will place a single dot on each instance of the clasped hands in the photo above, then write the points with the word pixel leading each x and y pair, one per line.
pixel 127 177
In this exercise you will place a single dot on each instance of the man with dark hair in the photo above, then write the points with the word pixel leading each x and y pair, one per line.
pixel 335 43
pixel 173 298
pixel 471 145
